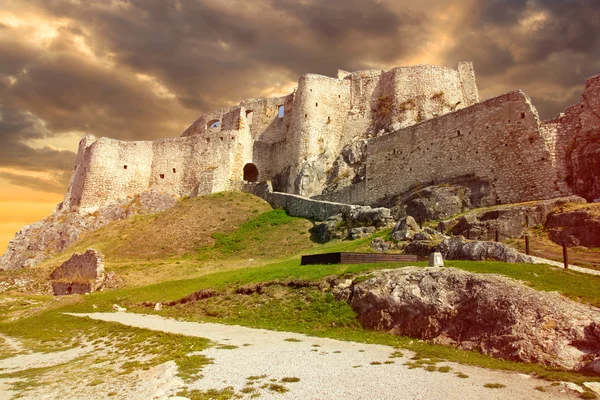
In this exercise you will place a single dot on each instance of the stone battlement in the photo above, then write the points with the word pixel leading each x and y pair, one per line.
pixel 418 125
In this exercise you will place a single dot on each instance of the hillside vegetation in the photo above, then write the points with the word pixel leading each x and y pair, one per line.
pixel 220 243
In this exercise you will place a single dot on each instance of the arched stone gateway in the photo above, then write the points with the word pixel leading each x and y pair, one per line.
pixel 250 173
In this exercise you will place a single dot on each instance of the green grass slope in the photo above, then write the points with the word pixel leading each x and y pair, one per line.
pixel 221 242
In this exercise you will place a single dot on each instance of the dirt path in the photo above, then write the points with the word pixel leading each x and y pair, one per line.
pixel 329 368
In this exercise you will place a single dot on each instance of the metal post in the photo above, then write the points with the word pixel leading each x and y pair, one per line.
pixel 469 233
pixel 496 235
pixel 565 255
pixel 526 221
pixel 421 223
pixel 527 243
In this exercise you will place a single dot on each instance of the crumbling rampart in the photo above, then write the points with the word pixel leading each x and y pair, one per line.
pixel 573 139
pixel 497 141
pixel 421 125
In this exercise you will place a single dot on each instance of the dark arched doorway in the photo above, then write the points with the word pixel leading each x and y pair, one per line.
pixel 250 173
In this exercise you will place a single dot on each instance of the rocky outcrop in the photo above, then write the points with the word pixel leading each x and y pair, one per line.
pixel 488 313
pixel 509 221
pixel 354 223
pixel 576 228
pixel 442 200
pixel 458 248
pixel 40 240
pixel 405 229
pixel 348 168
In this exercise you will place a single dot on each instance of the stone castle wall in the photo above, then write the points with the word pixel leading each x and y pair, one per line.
pixel 573 138
pixel 294 150
pixel 107 170
pixel 497 141
pixel 424 125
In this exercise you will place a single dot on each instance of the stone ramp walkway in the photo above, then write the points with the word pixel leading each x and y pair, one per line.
pixel 331 369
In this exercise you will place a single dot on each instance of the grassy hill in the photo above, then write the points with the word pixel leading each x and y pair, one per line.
pixel 221 242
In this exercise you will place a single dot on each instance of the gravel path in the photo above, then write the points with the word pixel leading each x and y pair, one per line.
pixel 540 260
pixel 331 369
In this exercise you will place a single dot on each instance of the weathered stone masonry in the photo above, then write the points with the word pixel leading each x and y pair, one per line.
pixel 497 141
pixel 293 150
pixel 423 124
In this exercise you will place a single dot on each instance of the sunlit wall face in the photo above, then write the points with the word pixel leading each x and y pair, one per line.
pixel 133 69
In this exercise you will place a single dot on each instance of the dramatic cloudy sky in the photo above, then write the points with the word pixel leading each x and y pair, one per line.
pixel 145 69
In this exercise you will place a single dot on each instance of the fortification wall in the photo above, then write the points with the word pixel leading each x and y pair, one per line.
pixel 320 110
pixel 76 184
pixel 268 147
pixel 353 194
pixel 295 205
pixel 424 91
pixel 573 138
pixel 497 141
pixel 113 169
pixel 295 151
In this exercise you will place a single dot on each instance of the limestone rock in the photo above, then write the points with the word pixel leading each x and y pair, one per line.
pixel 510 221
pixel 442 200
pixel 575 228
pixel 405 229
pixel 118 308
pixel 361 232
pixel 489 313
pixel 458 248
pixel 353 224
pixel 380 245
pixel 332 228
pixel 65 288
pixel 348 167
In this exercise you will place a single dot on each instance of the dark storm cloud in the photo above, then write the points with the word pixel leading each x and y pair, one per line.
pixel 547 47
pixel 155 65
pixel 210 53
pixel 16 127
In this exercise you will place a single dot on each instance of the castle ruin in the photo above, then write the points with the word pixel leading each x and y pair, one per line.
pixel 359 138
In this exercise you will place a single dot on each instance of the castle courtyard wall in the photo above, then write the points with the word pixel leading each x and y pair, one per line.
pixel 497 141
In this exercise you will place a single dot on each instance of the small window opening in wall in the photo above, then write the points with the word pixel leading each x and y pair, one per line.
pixel 305 115
pixel 207 140
pixel 75 168
pixel 339 96
pixel 280 111
pixel 162 176
pixel 249 116
pixel 522 115
pixel 215 123
pixel 316 104
pixel 221 138
pixel 328 119
pixel 124 166
pixel 458 131
pixel 174 170
pixel 233 138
